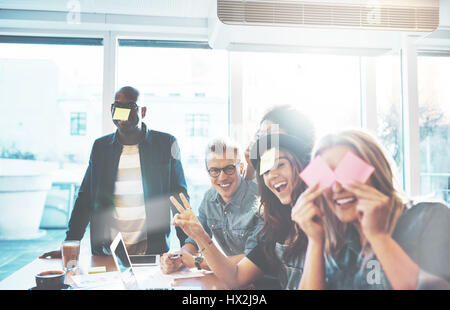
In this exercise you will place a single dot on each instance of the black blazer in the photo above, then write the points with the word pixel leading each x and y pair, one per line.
pixel 162 176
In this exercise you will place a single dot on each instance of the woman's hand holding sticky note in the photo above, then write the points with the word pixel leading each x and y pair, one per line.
pixel 350 168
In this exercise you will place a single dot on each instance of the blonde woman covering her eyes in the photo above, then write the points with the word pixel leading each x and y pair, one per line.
pixel 371 236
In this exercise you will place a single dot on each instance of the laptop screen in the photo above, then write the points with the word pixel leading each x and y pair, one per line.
pixel 122 258
pixel 123 262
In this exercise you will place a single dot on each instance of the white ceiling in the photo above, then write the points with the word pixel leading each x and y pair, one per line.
pixel 176 8
pixel 174 19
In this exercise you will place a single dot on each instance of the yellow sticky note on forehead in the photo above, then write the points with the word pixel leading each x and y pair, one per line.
pixel 267 161
pixel 121 114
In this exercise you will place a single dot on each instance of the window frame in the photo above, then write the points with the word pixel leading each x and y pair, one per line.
pixel 110 39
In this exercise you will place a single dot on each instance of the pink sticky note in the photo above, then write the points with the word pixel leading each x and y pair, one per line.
pixel 318 171
pixel 352 167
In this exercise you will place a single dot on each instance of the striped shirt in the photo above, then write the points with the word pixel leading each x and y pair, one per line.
pixel 129 212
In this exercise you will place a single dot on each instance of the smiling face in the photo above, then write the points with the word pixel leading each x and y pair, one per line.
pixel 226 185
pixel 341 202
pixel 280 180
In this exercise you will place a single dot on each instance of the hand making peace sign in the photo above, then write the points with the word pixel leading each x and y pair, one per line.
pixel 186 219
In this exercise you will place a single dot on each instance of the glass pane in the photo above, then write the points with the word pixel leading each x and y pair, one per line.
pixel 325 87
pixel 389 109
pixel 186 95
pixel 42 86
pixel 434 121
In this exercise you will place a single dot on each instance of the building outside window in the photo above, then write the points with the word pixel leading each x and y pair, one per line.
pixel 78 123
pixel 51 81
pixel 197 125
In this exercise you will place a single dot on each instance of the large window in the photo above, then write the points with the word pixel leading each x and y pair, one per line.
pixel 434 122
pixel 327 88
pixel 51 101
pixel 51 105
pixel 185 89
pixel 389 109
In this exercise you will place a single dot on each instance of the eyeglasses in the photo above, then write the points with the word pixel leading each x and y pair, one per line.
pixel 215 172
pixel 130 105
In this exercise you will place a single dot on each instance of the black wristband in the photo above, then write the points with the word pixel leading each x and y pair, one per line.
pixel 197 261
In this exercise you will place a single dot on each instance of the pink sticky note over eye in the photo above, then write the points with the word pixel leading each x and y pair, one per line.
pixel 352 167
pixel 318 171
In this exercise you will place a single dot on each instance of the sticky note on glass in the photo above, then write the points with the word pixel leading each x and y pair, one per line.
pixel 121 114
pixel 267 161
pixel 352 167
pixel 318 171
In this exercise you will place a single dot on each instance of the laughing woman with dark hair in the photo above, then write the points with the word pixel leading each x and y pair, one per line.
pixel 282 244
pixel 278 159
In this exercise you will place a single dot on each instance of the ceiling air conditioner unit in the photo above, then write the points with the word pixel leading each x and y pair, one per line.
pixel 285 25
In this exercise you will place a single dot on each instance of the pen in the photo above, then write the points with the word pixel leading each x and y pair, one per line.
pixel 176 256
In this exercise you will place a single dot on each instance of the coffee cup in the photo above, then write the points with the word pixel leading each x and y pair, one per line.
pixel 50 280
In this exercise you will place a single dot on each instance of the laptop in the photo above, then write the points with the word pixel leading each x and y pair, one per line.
pixel 127 273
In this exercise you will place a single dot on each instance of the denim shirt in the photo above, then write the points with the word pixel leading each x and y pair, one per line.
pixel 292 270
pixel 423 232
pixel 233 225
pixel 349 270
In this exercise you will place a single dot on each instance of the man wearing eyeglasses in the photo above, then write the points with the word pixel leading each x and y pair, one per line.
pixel 228 211
pixel 130 176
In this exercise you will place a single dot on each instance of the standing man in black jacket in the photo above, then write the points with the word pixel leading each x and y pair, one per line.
pixel 130 176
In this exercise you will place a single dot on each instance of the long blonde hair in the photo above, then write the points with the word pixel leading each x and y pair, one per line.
pixel 366 147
